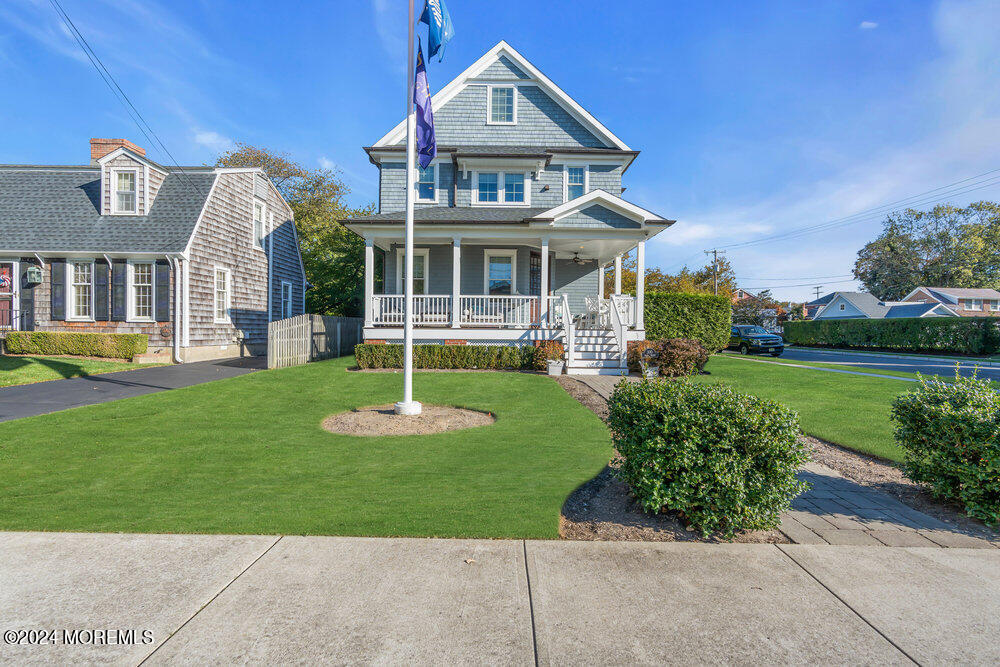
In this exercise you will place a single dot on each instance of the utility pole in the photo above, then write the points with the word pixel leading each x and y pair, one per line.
pixel 817 290
pixel 715 252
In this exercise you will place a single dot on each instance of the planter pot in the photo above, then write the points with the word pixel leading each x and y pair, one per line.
pixel 556 367
pixel 651 372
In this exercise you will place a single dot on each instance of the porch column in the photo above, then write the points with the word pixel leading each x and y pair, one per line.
pixel 640 284
pixel 456 281
pixel 543 306
pixel 618 274
pixel 369 279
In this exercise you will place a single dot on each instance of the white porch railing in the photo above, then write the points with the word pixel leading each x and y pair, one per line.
pixel 498 311
pixel 568 328
pixel 433 309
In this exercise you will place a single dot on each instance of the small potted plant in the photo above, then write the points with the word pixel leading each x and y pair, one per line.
pixel 649 361
pixel 549 357
pixel 555 366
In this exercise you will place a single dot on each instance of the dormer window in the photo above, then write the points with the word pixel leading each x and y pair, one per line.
pixel 503 105
pixel 125 191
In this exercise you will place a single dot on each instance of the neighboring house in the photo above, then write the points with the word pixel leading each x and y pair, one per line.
pixel 198 258
pixel 862 305
pixel 515 222
pixel 742 295
pixel 813 307
pixel 963 301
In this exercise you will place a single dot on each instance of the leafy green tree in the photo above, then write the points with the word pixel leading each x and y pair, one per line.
pixel 943 247
pixel 754 310
pixel 332 254
pixel 690 281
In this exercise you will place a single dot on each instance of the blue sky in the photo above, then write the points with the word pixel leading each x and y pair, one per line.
pixel 753 118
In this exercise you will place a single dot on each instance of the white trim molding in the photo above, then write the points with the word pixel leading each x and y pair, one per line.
pixel 417 252
pixel 114 172
pixel 436 165
pixel 258 244
pixel 286 312
pixel 130 309
pixel 501 188
pixel 71 315
pixel 227 319
pixel 500 252
pixel 608 200
pixel 586 178
pixel 489 103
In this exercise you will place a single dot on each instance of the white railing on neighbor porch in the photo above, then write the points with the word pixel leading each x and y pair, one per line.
pixel 434 309
pixel 618 326
pixel 498 311
pixel 566 316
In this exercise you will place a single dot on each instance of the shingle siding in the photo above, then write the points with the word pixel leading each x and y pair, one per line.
pixel 576 281
pixel 607 177
pixel 596 216
pixel 502 70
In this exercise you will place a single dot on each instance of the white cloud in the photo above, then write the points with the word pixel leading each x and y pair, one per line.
pixel 327 163
pixel 213 141
pixel 867 25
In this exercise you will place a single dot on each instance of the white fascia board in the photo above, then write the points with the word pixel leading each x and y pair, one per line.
pixel 604 198
pixel 482 231
pixel 201 215
pixel 832 301
pixel 132 154
pixel 456 85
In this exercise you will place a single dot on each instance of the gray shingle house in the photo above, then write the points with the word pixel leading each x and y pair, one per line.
pixel 862 305
pixel 198 258
pixel 515 222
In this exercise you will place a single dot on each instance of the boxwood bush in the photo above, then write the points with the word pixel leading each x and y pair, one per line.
pixel 950 436
pixel 110 345
pixel 496 357
pixel 961 335
pixel 704 317
pixel 723 461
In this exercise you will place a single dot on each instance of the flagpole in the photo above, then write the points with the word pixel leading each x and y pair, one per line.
pixel 408 406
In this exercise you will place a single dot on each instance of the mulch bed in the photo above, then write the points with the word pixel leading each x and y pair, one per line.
pixel 604 509
pixel 382 420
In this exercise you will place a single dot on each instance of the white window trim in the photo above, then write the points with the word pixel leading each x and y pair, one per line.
pixel 400 259
pixel 495 252
pixel 263 223
pixel 130 291
pixel 975 305
pixel 286 313
pixel 843 306
pixel 437 184
pixel 489 104
pixel 71 315
pixel 500 188
pixel 586 178
pixel 114 190
pixel 229 294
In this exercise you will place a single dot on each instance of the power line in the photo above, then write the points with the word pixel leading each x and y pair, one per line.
pixel 831 282
pixel 843 275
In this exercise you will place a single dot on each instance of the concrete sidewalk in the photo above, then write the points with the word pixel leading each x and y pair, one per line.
pixel 260 599
pixel 29 400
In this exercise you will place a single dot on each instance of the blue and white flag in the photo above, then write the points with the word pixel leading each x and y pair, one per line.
pixel 439 27
pixel 426 143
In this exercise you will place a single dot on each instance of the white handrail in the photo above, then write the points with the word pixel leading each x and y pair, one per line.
pixel 427 309
pixel 618 327
pixel 567 318
pixel 498 310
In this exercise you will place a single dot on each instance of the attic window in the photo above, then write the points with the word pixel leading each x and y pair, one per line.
pixel 125 191
pixel 503 105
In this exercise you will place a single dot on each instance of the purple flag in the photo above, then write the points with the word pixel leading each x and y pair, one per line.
pixel 426 144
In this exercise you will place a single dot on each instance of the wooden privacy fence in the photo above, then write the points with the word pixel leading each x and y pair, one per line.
pixel 304 338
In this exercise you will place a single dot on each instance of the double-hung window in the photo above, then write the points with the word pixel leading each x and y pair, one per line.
pixel 81 287
pixel 259 209
pixel 223 287
pixel 500 275
pixel 125 191
pixel 420 264
pixel 286 299
pixel 576 182
pixel 502 188
pixel 427 183
pixel 503 105
pixel 974 304
pixel 142 292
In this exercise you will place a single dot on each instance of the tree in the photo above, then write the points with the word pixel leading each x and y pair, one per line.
pixel 698 281
pixel 943 247
pixel 761 310
pixel 332 254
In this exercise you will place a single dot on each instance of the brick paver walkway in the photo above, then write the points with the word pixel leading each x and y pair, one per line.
pixel 837 510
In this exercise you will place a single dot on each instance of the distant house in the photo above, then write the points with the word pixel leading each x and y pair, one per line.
pixel 199 259
pixel 817 305
pixel 964 302
pixel 742 295
pixel 862 305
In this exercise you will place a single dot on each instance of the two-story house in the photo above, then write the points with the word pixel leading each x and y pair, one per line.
pixel 515 222
pixel 963 301
pixel 199 259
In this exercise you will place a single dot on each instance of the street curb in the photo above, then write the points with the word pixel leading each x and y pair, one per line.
pixel 978 361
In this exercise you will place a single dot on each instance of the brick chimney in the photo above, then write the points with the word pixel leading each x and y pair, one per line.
pixel 101 147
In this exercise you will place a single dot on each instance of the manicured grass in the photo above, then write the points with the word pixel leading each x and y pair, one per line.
pixel 25 370
pixel 849 410
pixel 248 455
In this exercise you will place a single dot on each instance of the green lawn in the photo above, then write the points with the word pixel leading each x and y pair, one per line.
pixel 247 455
pixel 25 370
pixel 849 410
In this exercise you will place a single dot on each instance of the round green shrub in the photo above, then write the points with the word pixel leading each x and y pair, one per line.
pixel 950 436
pixel 722 460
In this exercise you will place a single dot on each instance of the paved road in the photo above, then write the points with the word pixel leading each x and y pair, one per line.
pixel 310 600
pixel 888 362
pixel 43 397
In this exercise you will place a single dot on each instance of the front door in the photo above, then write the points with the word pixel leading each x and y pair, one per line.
pixel 7 296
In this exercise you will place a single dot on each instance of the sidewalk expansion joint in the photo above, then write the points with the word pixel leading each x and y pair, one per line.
pixel 531 603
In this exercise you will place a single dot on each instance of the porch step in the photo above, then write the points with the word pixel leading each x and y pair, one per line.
pixel 594 363
pixel 598 354
pixel 596 371
pixel 595 347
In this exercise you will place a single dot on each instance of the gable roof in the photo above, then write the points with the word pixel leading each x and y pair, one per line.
pixel 953 294
pixel 57 209
pixel 607 200
pixel 876 309
pixel 498 52
pixel 917 310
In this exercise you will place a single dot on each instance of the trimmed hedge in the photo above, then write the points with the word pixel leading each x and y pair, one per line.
pixel 495 357
pixel 705 318
pixel 950 436
pixel 676 357
pixel 723 461
pixel 961 335
pixel 80 344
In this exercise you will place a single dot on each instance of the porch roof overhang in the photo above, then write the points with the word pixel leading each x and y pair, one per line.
pixel 543 155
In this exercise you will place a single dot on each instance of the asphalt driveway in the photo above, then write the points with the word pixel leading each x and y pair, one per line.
pixel 887 362
pixel 207 599
pixel 28 400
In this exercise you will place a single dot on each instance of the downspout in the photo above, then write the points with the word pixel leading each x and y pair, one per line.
pixel 177 310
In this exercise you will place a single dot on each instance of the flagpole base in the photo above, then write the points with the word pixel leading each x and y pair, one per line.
pixel 411 408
